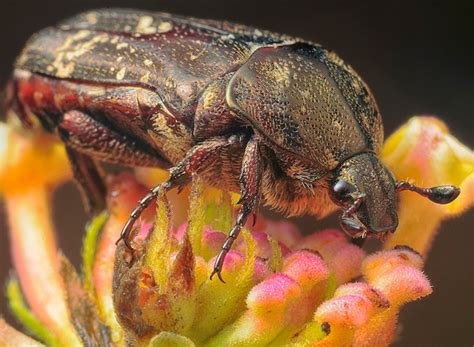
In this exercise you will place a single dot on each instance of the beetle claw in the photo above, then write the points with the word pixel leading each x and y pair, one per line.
pixel 218 273
pixel 125 240
pixel 125 237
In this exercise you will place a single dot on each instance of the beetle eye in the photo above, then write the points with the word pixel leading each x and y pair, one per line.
pixel 342 191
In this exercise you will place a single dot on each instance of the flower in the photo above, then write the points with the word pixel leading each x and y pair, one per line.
pixel 283 288
pixel 424 151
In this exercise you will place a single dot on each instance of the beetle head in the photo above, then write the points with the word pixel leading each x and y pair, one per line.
pixel 367 192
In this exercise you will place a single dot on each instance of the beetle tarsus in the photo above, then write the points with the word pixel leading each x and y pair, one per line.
pixel 227 245
pixel 250 179
pixel 126 232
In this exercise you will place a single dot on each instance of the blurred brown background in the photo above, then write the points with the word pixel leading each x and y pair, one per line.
pixel 417 57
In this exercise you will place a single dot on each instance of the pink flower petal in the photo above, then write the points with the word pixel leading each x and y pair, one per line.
pixel 272 294
pixel 283 231
pixel 306 267
pixel 343 258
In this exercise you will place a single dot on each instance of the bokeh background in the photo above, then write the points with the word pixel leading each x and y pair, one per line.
pixel 417 57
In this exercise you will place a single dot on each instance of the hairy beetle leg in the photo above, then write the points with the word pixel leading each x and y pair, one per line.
pixel 250 179
pixel 198 158
pixel 87 138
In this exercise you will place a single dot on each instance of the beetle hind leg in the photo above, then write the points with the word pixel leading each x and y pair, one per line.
pixel 89 179
pixel 86 138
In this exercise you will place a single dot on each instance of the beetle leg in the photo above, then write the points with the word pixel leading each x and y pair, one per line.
pixel 250 179
pixel 12 104
pixel 86 138
pixel 198 158
pixel 89 136
pixel 143 203
pixel 89 179
pixel 351 225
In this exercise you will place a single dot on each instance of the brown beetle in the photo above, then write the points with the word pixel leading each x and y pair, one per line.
pixel 279 119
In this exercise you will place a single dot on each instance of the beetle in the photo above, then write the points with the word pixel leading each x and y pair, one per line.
pixel 279 119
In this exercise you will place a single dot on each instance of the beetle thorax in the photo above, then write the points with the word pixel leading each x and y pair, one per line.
pixel 294 198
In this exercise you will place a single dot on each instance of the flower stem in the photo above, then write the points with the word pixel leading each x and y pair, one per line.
pixel 35 258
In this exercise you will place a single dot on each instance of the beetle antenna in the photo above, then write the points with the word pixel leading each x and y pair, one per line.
pixel 438 194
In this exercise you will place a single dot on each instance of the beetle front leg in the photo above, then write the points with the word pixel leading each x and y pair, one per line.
pixel 198 159
pixel 250 179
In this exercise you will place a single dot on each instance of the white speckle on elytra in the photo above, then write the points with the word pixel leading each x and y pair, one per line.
pixel 121 74
pixel 145 78
pixel 122 45
pixel 144 25
pixel 164 27
pixel 92 18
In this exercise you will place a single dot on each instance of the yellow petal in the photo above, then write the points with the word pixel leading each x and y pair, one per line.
pixel 36 262
pixel 424 152
pixel 30 159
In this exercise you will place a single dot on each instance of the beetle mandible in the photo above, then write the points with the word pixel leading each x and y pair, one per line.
pixel 278 119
